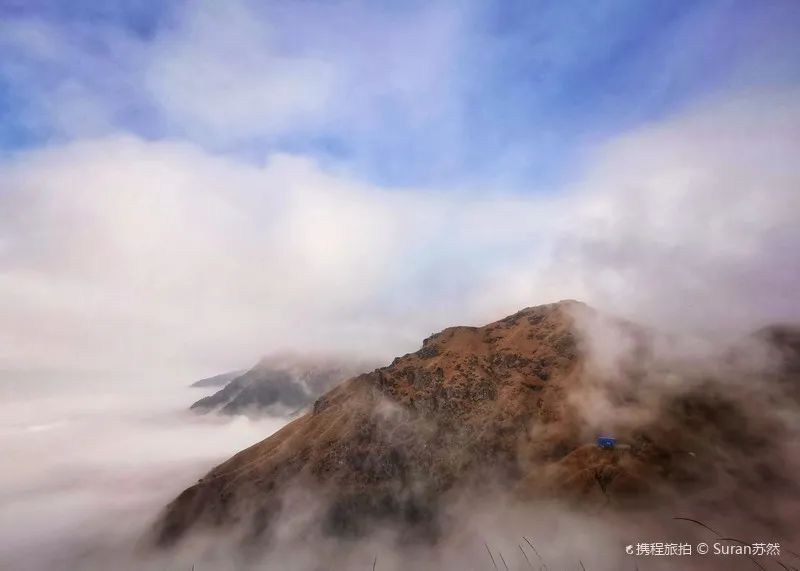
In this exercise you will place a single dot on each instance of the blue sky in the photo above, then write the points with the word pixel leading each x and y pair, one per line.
pixel 408 94
pixel 197 183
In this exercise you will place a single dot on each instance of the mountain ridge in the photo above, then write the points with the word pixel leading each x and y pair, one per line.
pixel 217 380
pixel 278 384
pixel 504 405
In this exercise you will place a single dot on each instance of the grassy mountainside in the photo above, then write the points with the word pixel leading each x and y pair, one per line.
pixel 509 405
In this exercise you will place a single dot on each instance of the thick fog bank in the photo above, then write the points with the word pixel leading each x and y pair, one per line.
pixel 89 461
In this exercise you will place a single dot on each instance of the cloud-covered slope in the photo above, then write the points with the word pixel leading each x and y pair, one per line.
pixel 514 406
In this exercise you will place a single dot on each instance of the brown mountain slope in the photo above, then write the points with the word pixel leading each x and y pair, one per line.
pixel 477 408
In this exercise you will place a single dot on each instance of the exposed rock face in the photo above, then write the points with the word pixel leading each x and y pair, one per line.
pixel 510 404
pixel 278 384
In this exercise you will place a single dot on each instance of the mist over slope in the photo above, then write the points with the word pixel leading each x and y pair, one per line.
pixel 483 418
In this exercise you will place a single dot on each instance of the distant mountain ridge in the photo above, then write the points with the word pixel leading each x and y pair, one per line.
pixel 217 380
pixel 277 384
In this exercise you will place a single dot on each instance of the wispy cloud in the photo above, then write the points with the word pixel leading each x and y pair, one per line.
pixel 153 248
pixel 434 94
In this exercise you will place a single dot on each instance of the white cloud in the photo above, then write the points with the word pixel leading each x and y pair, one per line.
pixel 231 72
pixel 122 251
pixel 228 74
pixel 693 222
pixel 220 74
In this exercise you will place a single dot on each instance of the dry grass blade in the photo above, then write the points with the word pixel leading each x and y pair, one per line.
pixel 715 532
pixel 525 555
pixel 529 542
pixel 489 551
pixel 503 560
